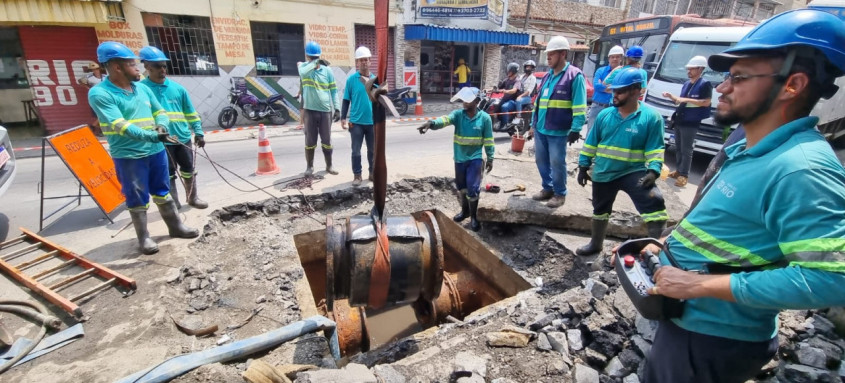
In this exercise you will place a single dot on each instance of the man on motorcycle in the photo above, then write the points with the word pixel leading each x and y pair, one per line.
pixel 529 84
pixel 135 126
pixel 184 120
pixel 319 91
pixel 511 88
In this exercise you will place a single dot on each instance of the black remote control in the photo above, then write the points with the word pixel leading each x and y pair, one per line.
pixel 636 273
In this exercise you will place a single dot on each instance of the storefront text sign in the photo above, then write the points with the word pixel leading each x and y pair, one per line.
pixel 334 41
pixel 130 34
pixel 453 8
pixel 232 41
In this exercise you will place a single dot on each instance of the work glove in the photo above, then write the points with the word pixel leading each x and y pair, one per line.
pixel 583 176
pixel 336 117
pixel 647 182
pixel 424 127
pixel 166 138
pixel 573 137
pixel 199 141
pixel 323 62
pixel 489 165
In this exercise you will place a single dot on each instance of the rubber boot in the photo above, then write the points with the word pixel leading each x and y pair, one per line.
pixel 597 240
pixel 655 228
pixel 175 227
pixel 462 198
pixel 473 209
pixel 309 162
pixel 193 200
pixel 139 220
pixel 327 154
pixel 174 182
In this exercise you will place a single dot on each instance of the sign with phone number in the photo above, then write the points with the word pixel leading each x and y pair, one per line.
pixel 475 12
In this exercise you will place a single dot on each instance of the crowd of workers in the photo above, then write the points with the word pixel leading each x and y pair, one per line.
pixel 765 234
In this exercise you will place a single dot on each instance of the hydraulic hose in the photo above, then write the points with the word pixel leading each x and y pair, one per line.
pixel 40 317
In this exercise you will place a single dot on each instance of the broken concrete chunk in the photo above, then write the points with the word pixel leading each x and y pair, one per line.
pixel 469 362
pixel 584 374
pixel 810 356
pixel 596 288
pixel 352 373
pixel 387 374
pixel 542 320
pixel 796 373
pixel 557 367
pixel 193 284
pixel 543 342
pixel 559 342
pixel 646 328
pixel 615 368
pixel 642 345
pixel 575 341
pixel 631 379
pixel 507 339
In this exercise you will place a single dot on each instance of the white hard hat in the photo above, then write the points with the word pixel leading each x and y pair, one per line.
pixel 697 62
pixel 362 53
pixel 466 94
pixel 617 50
pixel 557 43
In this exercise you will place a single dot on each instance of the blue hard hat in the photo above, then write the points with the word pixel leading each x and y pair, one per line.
pixel 152 54
pixel 627 77
pixel 634 52
pixel 802 27
pixel 313 49
pixel 113 50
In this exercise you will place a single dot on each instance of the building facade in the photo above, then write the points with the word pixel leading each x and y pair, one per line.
pixel 47 43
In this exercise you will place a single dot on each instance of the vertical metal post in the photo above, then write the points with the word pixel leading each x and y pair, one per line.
pixel 41 185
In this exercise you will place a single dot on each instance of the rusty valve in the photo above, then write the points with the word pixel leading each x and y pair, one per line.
pixel 415 260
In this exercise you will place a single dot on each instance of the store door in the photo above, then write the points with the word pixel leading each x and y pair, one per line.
pixel 366 35
pixel 55 57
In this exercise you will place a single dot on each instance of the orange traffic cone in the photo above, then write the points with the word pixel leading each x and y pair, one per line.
pixel 266 161
pixel 419 110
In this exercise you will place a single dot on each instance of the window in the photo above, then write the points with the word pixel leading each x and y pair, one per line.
pixel 12 75
pixel 186 40
pixel 270 40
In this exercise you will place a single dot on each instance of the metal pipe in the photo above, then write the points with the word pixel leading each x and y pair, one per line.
pixel 173 367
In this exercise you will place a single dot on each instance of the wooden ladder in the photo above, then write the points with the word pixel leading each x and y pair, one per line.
pixel 34 251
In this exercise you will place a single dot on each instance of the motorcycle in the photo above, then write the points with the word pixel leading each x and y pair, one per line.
pixel 252 108
pixel 489 103
pixel 397 96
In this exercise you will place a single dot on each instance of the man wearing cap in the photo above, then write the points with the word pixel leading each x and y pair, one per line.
pixel 767 234
pixel 93 76
pixel 603 94
pixel 135 125
pixel 625 145
pixel 184 121
pixel 634 56
pixel 473 132
pixel 693 106
pixel 319 93
pixel 462 71
pixel 559 115
pixel 357 104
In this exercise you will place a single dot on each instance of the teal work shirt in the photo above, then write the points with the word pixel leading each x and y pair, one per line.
pixel 360 106
pixel 621 146
pixel 609 80
pixel 579 102
pixel 128 119
pixel 184 119
pixel 780 203
pixel 319 89
pixel 471 134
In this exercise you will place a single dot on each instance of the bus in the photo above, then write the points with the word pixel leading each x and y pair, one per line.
pixel 652 33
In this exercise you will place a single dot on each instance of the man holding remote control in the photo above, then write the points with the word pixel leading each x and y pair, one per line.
pixel 768 232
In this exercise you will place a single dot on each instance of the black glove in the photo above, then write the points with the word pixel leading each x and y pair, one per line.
pixel 489 166
pixel 167 138
pixel 336 117
pixel 648 179
pixel 573 137
pixel 323 62
pixel 199 141
pixel 424 127
pixel 583 177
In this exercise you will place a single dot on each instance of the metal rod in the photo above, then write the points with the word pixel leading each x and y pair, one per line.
pixel 176 366
pixel 41 185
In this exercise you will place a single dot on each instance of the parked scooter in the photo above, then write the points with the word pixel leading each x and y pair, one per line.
pixel 251 107
pixel 397 96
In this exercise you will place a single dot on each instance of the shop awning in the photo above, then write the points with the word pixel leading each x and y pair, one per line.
pixel 481 36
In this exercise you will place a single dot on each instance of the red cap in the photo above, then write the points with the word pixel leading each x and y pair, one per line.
pixel 629 261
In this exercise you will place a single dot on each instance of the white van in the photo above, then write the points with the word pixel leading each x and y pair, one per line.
pixel 671 74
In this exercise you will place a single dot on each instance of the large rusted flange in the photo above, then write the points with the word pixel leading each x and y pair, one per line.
pixel 352 334
pixel 432 256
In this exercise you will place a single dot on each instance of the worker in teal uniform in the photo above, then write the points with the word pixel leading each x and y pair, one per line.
pixel 319 93
pixel 473 134
pixel 768 232
pixel 135 125
pixel 185 124
pixel 625 148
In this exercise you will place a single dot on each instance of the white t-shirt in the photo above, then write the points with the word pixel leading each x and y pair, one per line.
pixel 529 82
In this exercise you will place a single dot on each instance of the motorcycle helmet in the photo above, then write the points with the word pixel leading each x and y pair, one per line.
pixel 513 68
pixel 530 63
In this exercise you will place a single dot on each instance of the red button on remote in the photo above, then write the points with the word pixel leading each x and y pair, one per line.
pixel 629 261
